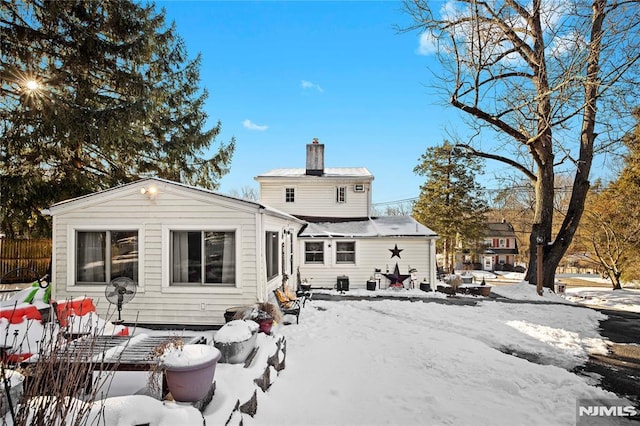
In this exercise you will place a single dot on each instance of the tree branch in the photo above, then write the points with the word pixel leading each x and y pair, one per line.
pixel 484 116
pixel 531 176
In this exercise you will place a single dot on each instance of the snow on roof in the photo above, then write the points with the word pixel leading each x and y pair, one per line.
pixel 372 227
pixel 361 172
pixel 114 189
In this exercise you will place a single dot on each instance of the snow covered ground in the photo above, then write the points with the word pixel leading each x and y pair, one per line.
pixel 604 298
pixel 398 362
pixel 401 362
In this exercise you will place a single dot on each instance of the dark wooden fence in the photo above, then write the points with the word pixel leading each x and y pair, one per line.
pixel 20 260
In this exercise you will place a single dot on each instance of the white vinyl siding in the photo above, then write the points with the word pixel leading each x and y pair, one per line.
pixel 417 253
pixel 174 208
pixel 316 197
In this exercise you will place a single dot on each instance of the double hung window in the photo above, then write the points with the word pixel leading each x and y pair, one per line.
pixel 289 195
pixel 314 252
pixel 345 252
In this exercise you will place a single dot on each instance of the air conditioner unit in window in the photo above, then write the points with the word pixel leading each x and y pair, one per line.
pixel 358 188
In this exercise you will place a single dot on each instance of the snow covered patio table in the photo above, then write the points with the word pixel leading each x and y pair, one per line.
pixel 115 353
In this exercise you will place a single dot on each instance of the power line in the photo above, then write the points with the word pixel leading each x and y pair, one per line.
pixel 559 189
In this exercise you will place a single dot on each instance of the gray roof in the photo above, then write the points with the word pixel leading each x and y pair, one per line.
pixel 384 226
pixel 336 172
pixel 499 229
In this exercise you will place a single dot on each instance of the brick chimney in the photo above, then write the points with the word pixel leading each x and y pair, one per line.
pixel 315 158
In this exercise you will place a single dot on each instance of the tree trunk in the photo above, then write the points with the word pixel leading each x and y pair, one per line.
pixel 615 279
pixel 543 218
pixel 544 159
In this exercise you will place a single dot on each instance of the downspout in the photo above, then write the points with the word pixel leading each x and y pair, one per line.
pixel 261 285
pixel 369 201
pixel 433 264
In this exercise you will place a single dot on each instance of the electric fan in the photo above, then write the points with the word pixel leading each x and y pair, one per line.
pixel 120 291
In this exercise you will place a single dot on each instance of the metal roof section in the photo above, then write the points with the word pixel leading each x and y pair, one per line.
pixel 384 226
pixel 329 172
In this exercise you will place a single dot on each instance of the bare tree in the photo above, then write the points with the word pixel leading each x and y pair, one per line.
pixel 394 208
pixel 546 79
pixel 247 192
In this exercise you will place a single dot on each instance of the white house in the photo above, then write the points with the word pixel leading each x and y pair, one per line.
pixel 341 238
pixel 192 252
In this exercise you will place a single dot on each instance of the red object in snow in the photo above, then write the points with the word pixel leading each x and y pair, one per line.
pixel 265 325
pixel 77 307
pixel 15 315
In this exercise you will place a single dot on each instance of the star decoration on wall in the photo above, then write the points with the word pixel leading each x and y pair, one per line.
pixel 395 252
pixel 396 278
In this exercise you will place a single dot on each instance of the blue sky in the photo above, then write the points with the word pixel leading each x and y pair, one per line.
pixel 282 73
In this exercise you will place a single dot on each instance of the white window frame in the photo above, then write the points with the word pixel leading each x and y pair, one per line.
pixel 202 261
pixel 72 232
pixel 355 251
pixel 235 288
pixel 269 234
pixel 341 194
pixel 289 190
pixel 324 253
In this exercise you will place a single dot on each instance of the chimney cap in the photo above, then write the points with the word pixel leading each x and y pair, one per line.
pixel 315 140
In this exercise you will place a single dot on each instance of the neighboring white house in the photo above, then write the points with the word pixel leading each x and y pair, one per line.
pixel 499 249
pixel 501 246
pixel 192 252
pixel 341 238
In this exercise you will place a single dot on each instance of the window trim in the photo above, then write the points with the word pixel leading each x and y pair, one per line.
pixel 72 232
pixel 341 194
pixel 354 252
pixel 270 234
pixel 289 191
pixel 324 257
pixel 108 255
pixel 202 283
pixel 166 286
